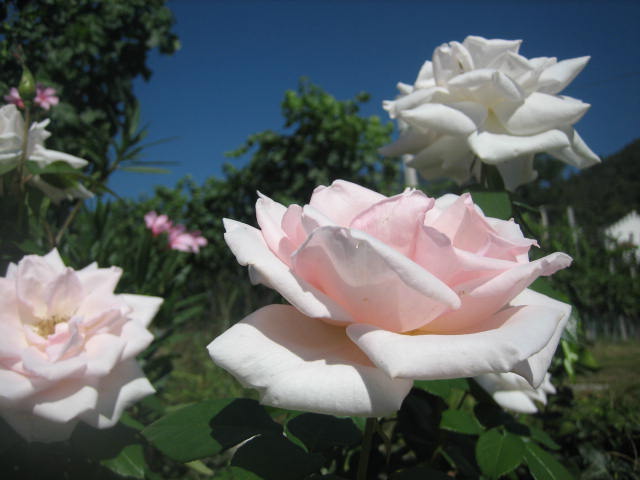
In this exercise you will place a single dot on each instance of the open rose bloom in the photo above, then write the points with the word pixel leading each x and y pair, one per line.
pixel 68 347
pixel 481 101
pixel 385 290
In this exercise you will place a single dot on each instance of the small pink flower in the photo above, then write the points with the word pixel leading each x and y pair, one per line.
pixel 46 97
pixel 180 239
pixel 157 223
pixel 14 98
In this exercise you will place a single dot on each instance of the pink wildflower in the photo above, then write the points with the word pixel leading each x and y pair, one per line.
pixel 180 239
pixel 157 223
pixel 46 97
pixel 14 98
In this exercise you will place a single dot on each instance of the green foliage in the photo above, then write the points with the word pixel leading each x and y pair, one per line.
pixel 90 52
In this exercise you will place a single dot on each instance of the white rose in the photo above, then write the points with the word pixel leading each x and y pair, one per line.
pixel 68 346
pixel 11 140
pixel 481 101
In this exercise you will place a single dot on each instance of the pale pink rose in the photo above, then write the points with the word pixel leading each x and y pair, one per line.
pixel 384 291
pixel 157 223
pixel 180 239
pixel 46 97
pixel 68 346
pixel 14 98
pixel 512 392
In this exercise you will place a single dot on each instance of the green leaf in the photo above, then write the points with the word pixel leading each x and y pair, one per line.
pixel 542 465
pixel 442 388
pixel 460 421
pixel 319 432
pixel 493 204
pixel 542 437
pixel 141 169
pixel 543 285
pixel 206 428
pixel 273 457
pixel 128 463
pixel 499 453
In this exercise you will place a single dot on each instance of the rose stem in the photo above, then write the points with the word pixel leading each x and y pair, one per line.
pixel 367 441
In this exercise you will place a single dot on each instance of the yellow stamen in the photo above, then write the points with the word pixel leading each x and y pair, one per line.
pixel 47 326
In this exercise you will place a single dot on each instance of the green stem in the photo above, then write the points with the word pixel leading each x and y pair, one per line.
pixel 21 166
pixel 367 441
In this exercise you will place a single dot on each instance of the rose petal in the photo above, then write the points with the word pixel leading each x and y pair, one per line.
pixel 343 201
pixel 517 334
pixel 516 401
pixel 143 307
pixel 484 51
pixel 539 113
pixel 103 353
pixel 494 148
pixel 577 153
pixel 535 367
pixel 410 141
pixel 35 363
pixel 486 86
pixel 556 77
pixel 303 364
pixel 482 298
pixel 37 429
pixel 396 221
pixel 122 388
pixel 248 245
pixel 64 401
pixel 444 119
pixel 64 295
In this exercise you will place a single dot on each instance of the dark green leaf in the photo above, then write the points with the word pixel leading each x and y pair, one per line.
pixel 542 465
pixel 206 428
pixel 319 432
pixel 273 457
pixel 542 437
pixel 142 169
pixel 499 453
pixel 460 421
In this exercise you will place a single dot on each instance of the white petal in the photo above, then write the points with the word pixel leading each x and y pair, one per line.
pixel 535 367
pixel 517 171
pixel 144 307
pixel 248 246
pixel 556 77
pixel 440 118
pixel 493 148
pixel 304 364
pixel 37 429
pixel 539 113
pixel 35 363
pixel 410 141
pixel 484 51
pixel 103 352
pixel 516 401
pixel 414 99
pixel 65 402
pixel 486 86
pixel 577 154
pixel 122 388
pixel 516 335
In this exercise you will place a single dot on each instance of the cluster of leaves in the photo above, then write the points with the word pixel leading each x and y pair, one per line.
pixel 444 428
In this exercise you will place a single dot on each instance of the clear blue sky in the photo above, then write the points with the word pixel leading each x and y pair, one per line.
pixel 238 58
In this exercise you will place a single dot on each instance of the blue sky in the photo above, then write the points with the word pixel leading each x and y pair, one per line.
pixel 239 57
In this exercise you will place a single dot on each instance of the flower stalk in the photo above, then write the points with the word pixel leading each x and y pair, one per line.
pixel 367 442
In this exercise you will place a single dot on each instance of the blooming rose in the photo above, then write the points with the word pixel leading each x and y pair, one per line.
pixel 68 347
pixel 481 99
pixel 11 136
pixel 511 391
pixel 385 290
